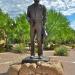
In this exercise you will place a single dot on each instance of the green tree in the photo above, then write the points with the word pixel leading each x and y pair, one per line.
pixel 58 28
pixel 21 29
pixel 5 24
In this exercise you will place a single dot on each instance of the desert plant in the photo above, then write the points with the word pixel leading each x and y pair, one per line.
pixel 61 51
pixel 2 49
pixel 19 48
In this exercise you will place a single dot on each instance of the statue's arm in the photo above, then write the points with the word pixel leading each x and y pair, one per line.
pixel 44 15
pixel 44 21
pixel 28 15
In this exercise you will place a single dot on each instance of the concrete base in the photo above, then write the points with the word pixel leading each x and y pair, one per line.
pixel 35 59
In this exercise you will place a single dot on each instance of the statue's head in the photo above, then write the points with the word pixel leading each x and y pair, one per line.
pixel 36 1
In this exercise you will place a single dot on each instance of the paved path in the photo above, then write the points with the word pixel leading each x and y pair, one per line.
pixel 8 58
pixel 68 63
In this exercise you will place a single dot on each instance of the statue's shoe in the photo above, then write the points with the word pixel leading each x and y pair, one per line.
pixel 40 57
pixel 32 56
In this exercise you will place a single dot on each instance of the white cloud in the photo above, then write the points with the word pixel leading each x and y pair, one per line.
pixel 73 0
pixel 67 7
pixel 18 5
pixel 69 11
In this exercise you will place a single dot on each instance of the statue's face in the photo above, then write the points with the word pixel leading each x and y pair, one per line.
pixel 36 1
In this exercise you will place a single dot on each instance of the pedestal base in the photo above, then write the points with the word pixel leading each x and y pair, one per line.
pixel 53 67
pixel 35 59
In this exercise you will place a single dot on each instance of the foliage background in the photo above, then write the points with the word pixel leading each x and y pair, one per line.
pixel 18 30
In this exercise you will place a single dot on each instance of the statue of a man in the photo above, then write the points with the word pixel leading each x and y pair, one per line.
pixel 36 15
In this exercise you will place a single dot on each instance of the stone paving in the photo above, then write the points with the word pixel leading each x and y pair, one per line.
pixel 8 58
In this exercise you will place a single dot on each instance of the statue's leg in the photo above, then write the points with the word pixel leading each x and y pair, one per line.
pixel 32 35
pixel 39 39
pixel 42 39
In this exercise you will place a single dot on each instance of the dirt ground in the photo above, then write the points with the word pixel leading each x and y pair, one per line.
pixel 8 58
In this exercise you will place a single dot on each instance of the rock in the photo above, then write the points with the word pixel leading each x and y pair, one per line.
pixel 14 69
pixel 52 67
pixel 2 43
pixel 28 69
pixel 49 68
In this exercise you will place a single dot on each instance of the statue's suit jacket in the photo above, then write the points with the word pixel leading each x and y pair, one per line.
pixel 36 13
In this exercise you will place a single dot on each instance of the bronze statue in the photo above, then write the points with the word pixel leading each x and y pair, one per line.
pixel 36 15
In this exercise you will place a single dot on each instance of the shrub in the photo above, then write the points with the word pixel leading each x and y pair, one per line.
pixel 2 50
pixel 19 48
pixel 72 46
pixel 50 46
pixel 61 51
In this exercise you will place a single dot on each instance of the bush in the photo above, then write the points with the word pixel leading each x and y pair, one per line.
pixel 19 48
pixel 50 46
pixel 2 50
pixel 72 46
pixel 61 51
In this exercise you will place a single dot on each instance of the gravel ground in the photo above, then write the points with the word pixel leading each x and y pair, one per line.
pixel 8 58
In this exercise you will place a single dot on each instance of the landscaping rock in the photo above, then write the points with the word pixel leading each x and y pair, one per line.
pixel 52 67
pixel 49 68
pixel 14 69
pixel 28 69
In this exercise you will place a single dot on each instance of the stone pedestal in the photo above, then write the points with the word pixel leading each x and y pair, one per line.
pixel 52 67
pixel 14 69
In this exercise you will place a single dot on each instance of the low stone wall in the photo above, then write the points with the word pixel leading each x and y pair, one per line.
pixel 53 67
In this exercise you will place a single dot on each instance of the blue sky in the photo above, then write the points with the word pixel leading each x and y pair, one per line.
pixel 15 7
pixel 72 20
